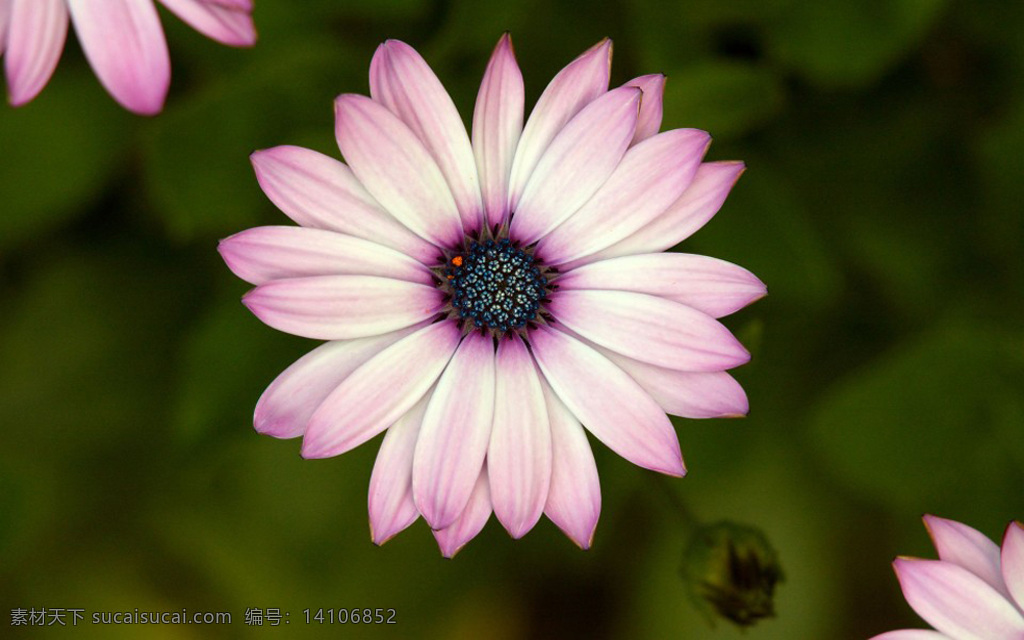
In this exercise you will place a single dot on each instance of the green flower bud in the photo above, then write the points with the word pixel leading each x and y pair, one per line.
pixel 731 571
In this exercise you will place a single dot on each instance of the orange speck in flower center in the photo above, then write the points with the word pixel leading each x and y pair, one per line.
pixel 457 261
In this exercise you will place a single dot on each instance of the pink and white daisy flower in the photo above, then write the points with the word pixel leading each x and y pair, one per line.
pixel 122 39
pixel 485 297
pixel 974 591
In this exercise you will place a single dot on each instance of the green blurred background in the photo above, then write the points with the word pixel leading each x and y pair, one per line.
pixel 882 206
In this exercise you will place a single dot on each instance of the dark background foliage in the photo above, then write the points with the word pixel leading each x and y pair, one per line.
pixel 882 206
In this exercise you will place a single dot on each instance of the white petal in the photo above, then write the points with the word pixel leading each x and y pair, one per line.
pixel 125 46
pixel 967 547
pixel 709 285
pixel 396 169
pixel 573 88
pixel 230 25
pixel 390 503
pixel 470 522
pixel 651 176
pixel 609 403
pixel 262 254
pixel 455 432
pixel 401 80
pixel 698 204
pixel 574 498
pixel 380 391
pixel 285 407
pixel 497 125
pixel 957 602
pixel 36 31
pixel 317 191
pixel 649 329
pixel 342 307
pixel 651 107
pixel 576 163
pixel 519 454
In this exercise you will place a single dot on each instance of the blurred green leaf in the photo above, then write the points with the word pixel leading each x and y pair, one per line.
pixel 60 152
pixel 930 423
pixel 849 43
pixel 763 219
pixel 725 98
pixel 228 360
pixel 197 166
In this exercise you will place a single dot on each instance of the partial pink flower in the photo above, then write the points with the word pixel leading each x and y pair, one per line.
pixel 490 297
pixel 974 591
pixel 122 39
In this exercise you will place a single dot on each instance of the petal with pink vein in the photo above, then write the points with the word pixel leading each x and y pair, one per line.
pixel 36 31
pixel 574 87
pixel 574 498
pixel 576 163
pixel 390 502
pixel 649 329
pixel 609 403
pixel 455 432
pixel 380 391
pixel 395 167
pixel 519 453
pixel 317 191
pixel 497 125
pixel 262 254
pixel 709 285
pixel 125 46
pixel 402 81
pixel 342 307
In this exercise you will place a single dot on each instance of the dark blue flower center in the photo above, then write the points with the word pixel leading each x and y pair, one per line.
pixel 496 286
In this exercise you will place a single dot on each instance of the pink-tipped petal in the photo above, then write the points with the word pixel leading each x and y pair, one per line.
pixel 609 403
pixel 690 394
pixel 36 31
pixel 470 522
pixel 911 634
pixel 519 453
pixel 284 409
pixel 709 285
pixel 497 125
pixel 965 546
pixel 380 391
pixel 574 498
pixel 651 176
pixel 455 432
pixel 576 163
pixel 649 329
pixel 403 82
pixel 227 23
pixel 342 307
pixel 957 602
pixel 575 86
pixel 390 502
pixel 262 254
pixel 698 204
pixel 395 167
pixel 317 191
pixel 1013 561
pixel 651 106
pixel 125 46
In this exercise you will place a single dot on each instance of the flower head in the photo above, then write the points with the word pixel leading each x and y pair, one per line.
pixel 122 39
pixel 485 297
pixel 732 571
pixel 974 591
